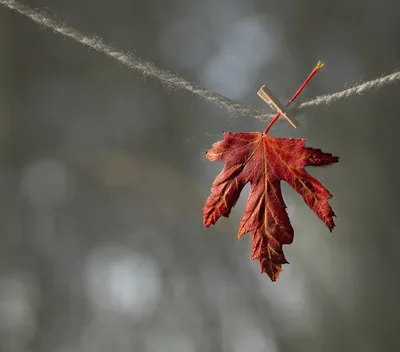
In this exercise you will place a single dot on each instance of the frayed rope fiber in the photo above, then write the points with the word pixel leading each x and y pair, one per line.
pixel 174 82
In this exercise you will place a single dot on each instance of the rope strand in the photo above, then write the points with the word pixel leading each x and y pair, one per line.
pixel 357 90
pixel 172 81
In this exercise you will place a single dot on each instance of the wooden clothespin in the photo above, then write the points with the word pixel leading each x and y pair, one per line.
pixel 265 94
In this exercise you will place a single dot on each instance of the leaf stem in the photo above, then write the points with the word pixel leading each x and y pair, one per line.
pixel 308 79
pixel 272 122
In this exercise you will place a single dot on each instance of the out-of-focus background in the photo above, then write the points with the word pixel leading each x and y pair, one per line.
pixel 103 178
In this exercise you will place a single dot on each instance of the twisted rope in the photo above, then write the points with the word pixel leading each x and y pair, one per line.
pixel 172 81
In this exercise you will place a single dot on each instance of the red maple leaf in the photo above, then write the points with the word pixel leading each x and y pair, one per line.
pixel 265 161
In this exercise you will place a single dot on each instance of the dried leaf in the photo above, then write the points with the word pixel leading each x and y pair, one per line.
pixel 264 161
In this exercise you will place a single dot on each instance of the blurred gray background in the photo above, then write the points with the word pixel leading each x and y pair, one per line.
pixel 103 178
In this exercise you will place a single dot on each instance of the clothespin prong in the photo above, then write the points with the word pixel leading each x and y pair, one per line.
pixel 265 94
